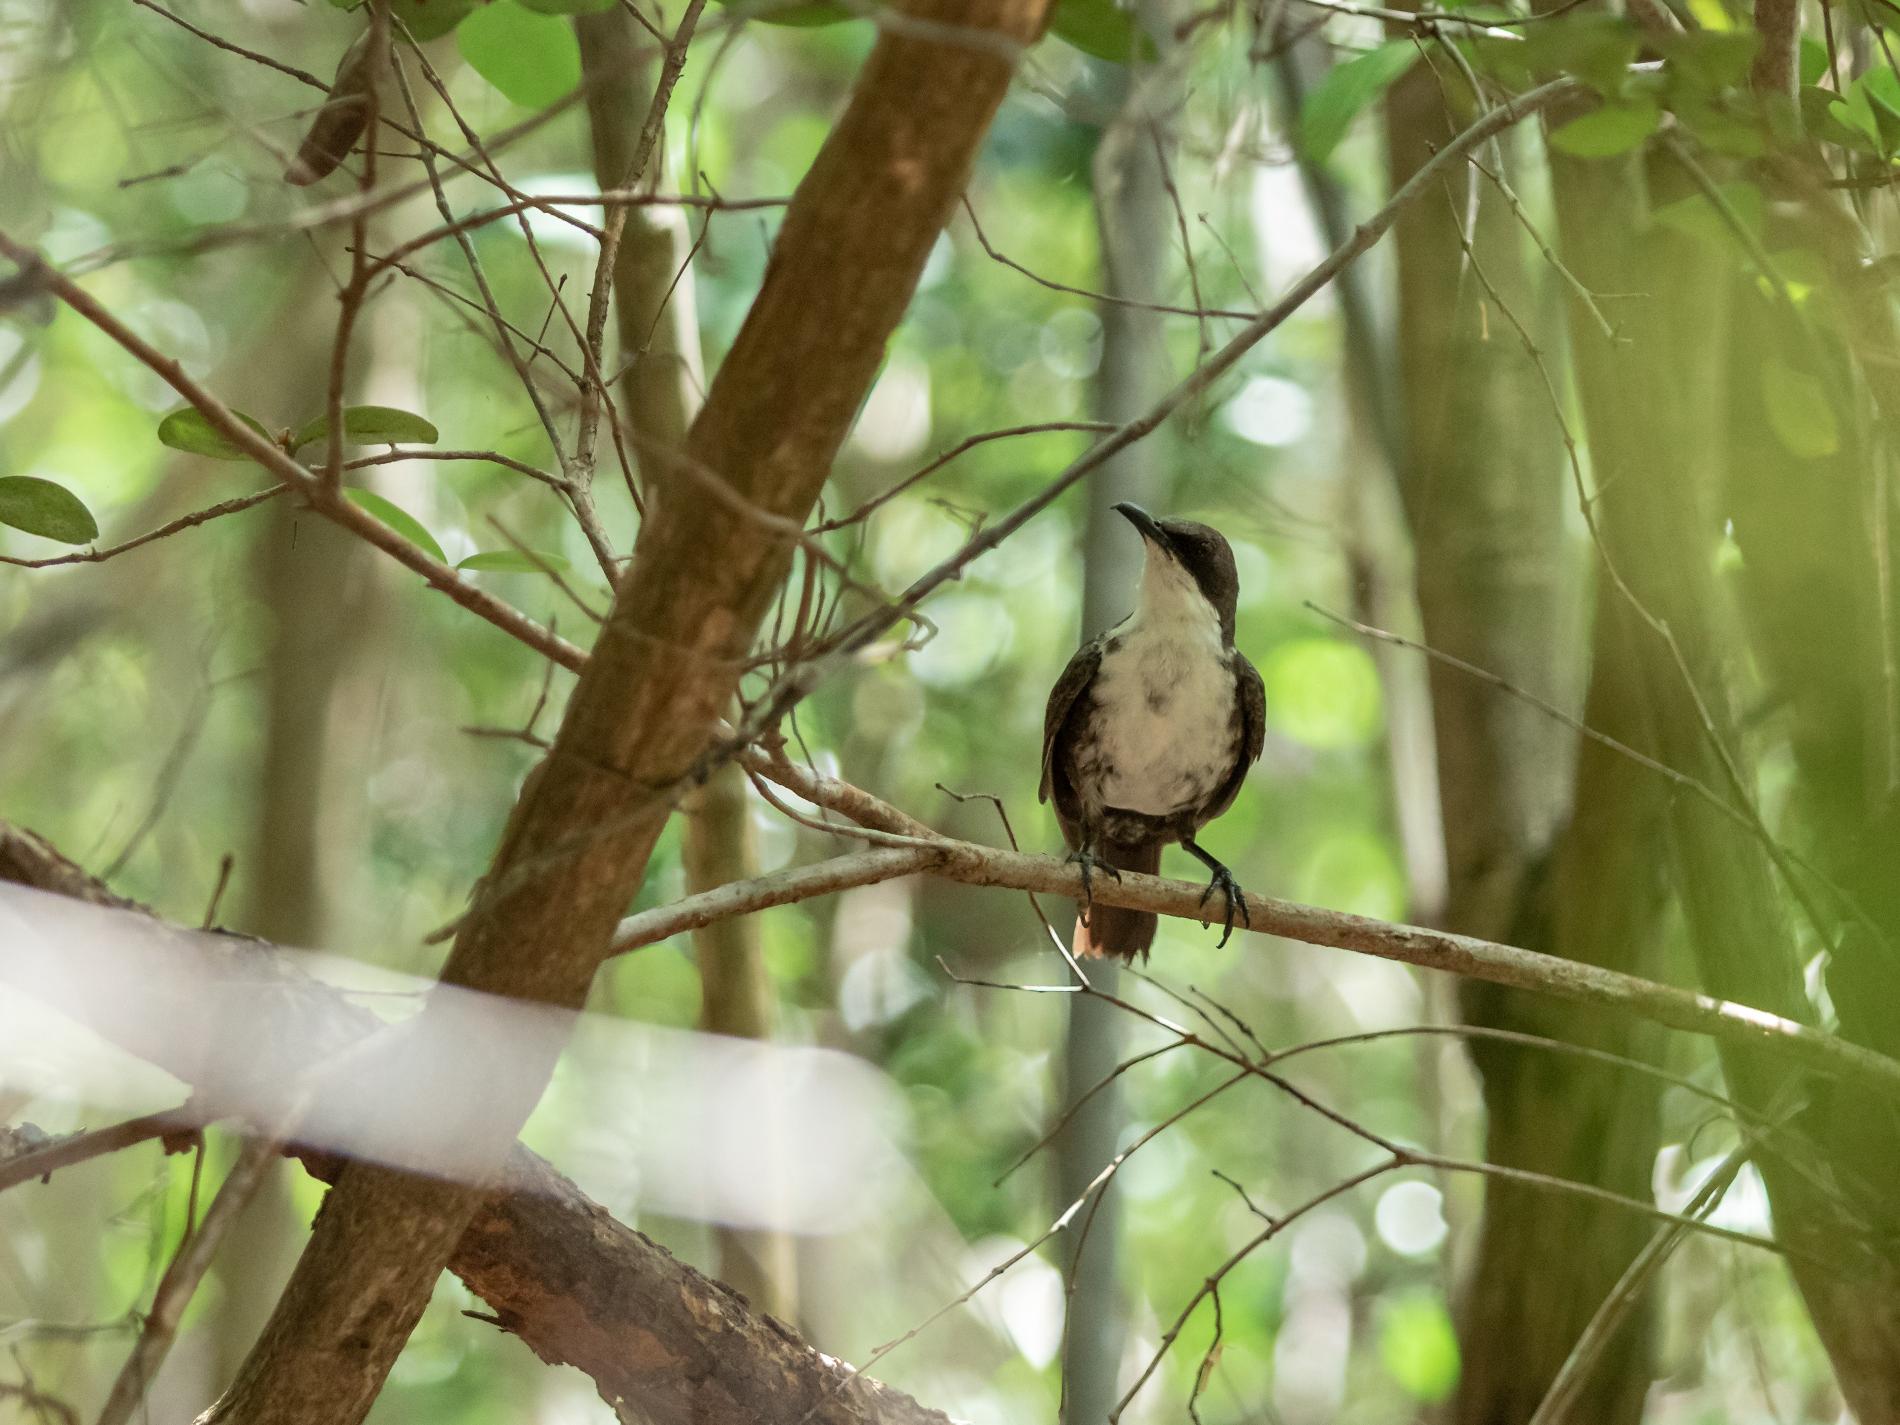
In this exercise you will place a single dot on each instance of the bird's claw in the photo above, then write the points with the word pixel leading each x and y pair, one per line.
pixel 1086 859
pixel 1236 899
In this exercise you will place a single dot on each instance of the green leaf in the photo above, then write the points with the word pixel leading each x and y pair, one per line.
pixel 1813 60
pixel 48 510
pixel 1347 89
pixel 1720 130
pixel 370 425
pixel 1798 411
pixel 1880 89
pixel 1596 49
pixel 426 19
pixel 569 7
pixel 513 561
pixel 1610 130
pixel 185 429
pixel 1101 28
pixel 1709 61
pixel 1832 120
pixel 398 519
pixel 533 59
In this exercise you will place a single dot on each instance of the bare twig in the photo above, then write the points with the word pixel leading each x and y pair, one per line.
pixel 276 461
pixel 181 1280
pixel 183 522
pixel 79 1147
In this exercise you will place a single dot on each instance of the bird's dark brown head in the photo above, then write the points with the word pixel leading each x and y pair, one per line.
pixel 1200 549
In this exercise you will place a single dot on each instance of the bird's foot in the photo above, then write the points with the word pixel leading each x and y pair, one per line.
pixel 1223 880
pixel 1086 858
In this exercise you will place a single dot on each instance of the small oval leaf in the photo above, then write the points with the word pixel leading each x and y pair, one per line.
pixel 371 425
pixel 1346 90
pixel 533 59
pixel 1101 28
pixel 425 19
pixel 398 519
pixel 513 561
pixel 186 429
pixel 48 510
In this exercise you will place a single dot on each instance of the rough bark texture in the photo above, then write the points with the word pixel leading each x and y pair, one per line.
pixel 555 1267
pixel 1657 424
pixel 665 665
pixel 1485 489
pixel 660 366
pixel 1543 1266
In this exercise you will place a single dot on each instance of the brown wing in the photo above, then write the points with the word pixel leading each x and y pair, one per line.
pixel 1250 711
pixel 1077 676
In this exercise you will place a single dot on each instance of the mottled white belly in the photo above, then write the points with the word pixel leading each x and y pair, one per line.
pixel 1165 710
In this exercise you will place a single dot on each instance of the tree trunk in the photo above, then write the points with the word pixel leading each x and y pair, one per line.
pixel 663 669
pixel 1132 220
pixel 1484 487
pixel 1657 423
pixel 660 365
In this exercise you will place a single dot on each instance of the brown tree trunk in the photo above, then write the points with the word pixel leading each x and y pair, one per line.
pixel 1484 486
pixel 1132 220
pixel 1657 421
pixel 660 365
pixel 665 665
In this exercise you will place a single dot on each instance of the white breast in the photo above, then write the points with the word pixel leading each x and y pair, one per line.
pixel 1164 700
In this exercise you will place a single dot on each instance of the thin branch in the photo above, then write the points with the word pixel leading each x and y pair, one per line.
pixel 867 629
pixel 183 522
pixel 181 1279
pixel 884 497
pixel 278 463
pixel 81 1147
pixel 995 255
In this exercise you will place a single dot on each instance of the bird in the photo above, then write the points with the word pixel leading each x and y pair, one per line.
pixel 1151 728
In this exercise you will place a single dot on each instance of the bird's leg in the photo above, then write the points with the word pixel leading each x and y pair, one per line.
pixel 1229 888
pixel 1085 857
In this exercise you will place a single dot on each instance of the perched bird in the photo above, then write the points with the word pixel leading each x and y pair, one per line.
pixel 1151 728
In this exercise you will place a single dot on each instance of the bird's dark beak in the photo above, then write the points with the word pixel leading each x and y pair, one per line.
pixel 1149 526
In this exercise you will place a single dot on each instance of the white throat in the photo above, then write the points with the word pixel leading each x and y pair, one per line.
pixel 1171 600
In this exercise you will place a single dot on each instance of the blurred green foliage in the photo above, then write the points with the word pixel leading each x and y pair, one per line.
pixel 132 698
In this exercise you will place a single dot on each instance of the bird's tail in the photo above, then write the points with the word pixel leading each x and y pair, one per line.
pixel 1105 930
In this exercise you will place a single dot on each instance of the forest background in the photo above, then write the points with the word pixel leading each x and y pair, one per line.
pixel 1538 367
